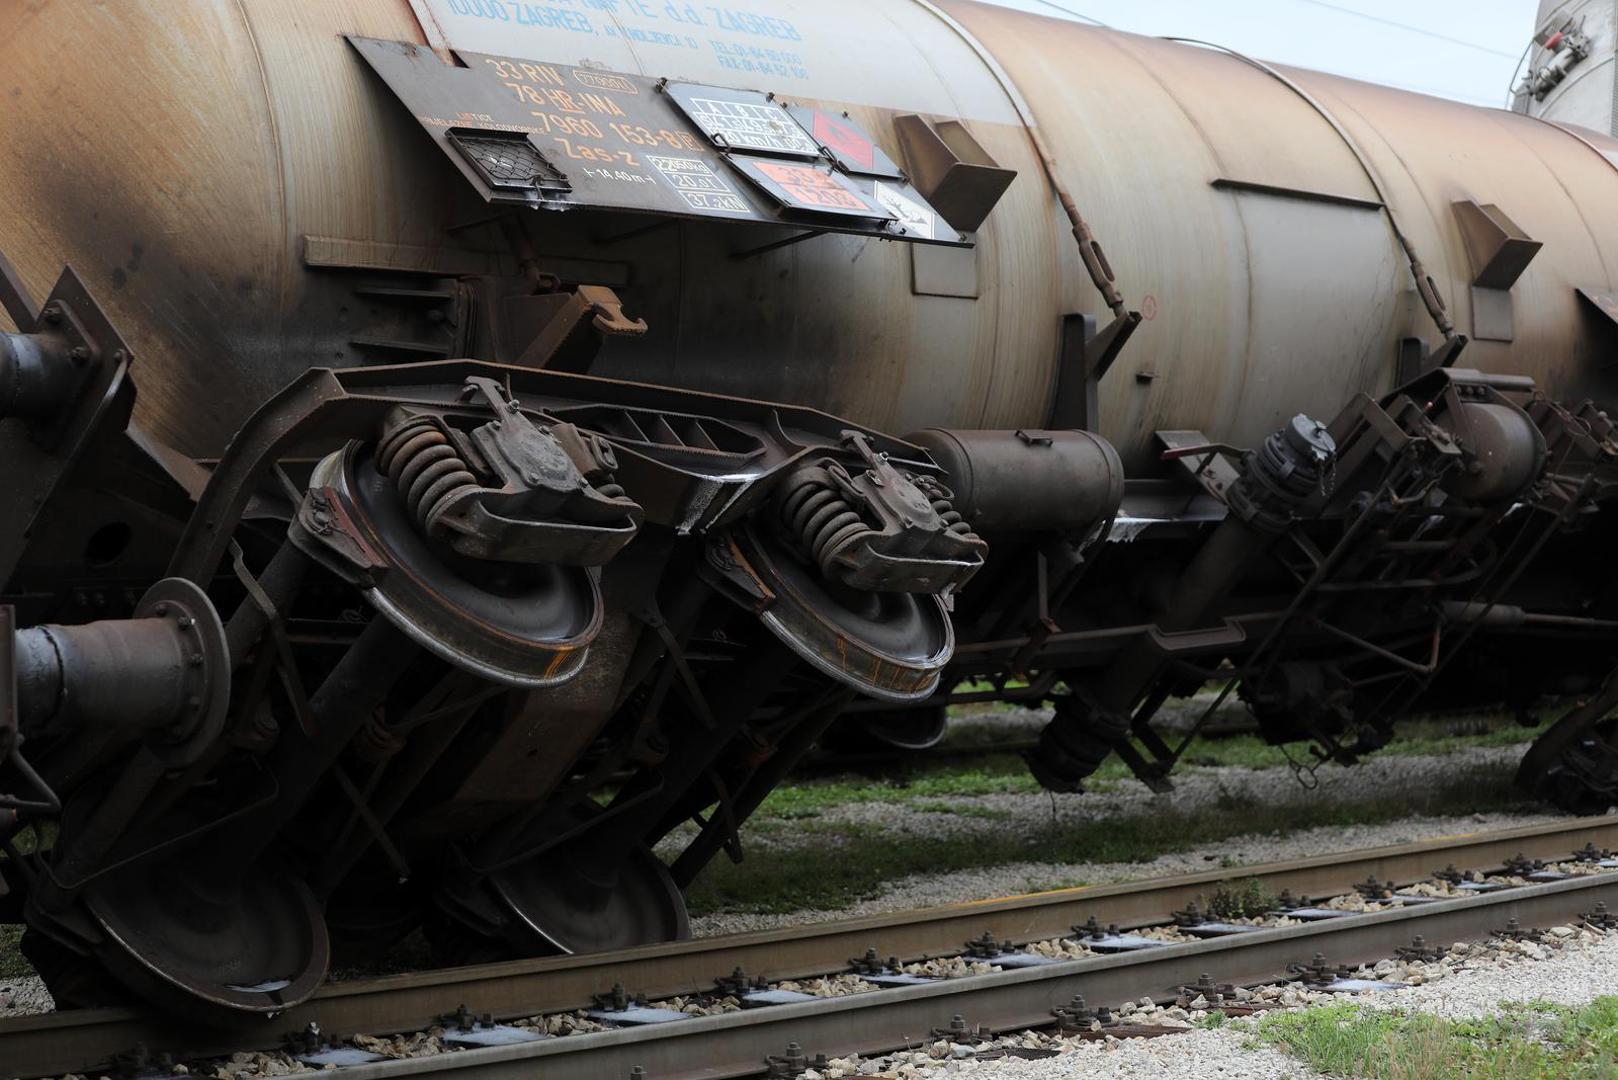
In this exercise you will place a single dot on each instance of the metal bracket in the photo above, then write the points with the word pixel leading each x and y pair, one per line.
pixel 605 312
pixel 1450 351
pixel 1087 354
pixel 1413 358
pixel 37 460
pixel 748 253
pixel 14 297
pixel 1227 635
pixel 1208 463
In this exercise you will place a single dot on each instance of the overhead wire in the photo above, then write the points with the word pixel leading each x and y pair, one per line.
pixel 1075 14
pixel 1358 14
pixel 1415 88
pixel 1407 27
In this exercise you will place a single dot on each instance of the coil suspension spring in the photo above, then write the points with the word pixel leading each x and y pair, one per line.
pixel 425 467
pixel 945 509
pixel 821 519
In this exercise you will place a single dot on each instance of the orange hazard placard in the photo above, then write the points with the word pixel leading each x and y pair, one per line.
pixel 811 187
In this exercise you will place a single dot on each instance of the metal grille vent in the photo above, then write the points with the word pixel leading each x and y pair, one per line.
pixel 508 160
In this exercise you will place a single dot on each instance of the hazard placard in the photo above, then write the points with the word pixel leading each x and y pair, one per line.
pixel 845 141
pixel 813 188
pixel 914 215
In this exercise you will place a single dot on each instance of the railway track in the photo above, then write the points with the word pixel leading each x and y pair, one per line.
pixel 735 1044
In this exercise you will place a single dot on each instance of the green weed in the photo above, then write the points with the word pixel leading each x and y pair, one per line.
pixel 1521 1043
pixel 842 863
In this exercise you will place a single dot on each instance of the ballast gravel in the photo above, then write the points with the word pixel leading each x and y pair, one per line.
pixel 22 995
pixel 1569 967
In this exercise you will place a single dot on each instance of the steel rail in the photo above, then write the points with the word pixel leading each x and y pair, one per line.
pixel 736 1044
pixel 81 1040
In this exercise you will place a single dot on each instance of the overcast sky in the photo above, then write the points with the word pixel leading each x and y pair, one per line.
pixel 1461 49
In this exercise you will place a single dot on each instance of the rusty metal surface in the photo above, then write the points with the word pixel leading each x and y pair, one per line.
pixel 1240 319
pixel 71 1040
pixel 195 174
pixel 1242 309
pixel 213 287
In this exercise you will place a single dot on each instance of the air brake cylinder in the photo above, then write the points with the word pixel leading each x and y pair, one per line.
pixel 1277 480
pixel 1027 480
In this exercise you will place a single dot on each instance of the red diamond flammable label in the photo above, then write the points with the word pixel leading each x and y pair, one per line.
pixel 845 140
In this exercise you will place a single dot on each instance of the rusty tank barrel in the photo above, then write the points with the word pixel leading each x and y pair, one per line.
pixel 1252 215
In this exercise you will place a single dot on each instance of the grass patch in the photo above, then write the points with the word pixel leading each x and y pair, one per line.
pixel 993 774
pixel 1246 899
pixel 1007 774
pixel 11 962
pixel 847 863
pixel 1429 737
pixel 1525 1042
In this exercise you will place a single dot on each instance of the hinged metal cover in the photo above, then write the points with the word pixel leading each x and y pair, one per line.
pixel 1500 251
pixel 952 170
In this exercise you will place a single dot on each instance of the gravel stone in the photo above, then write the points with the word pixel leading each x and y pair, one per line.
pixel 24 994
pixel 1571 966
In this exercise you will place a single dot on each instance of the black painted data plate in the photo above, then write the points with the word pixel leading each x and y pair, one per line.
pixel 743 120
pixel 556 137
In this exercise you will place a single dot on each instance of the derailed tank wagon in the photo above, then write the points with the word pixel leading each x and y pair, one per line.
pixel 473 438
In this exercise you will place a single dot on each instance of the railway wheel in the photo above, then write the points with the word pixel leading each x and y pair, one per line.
pixel 517 624
pixel 921 728
pixel 579 902
pixel 888 645
pixel 239 951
